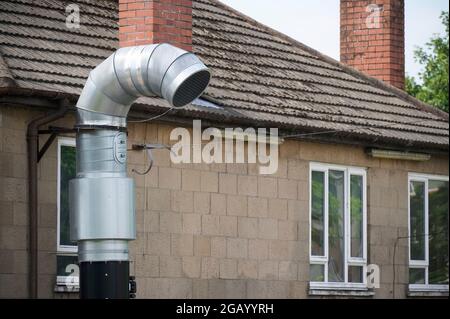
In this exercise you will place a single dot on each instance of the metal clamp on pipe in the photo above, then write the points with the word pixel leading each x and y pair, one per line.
pixel 102 204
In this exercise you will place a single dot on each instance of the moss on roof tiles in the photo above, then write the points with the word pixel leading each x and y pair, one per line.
pixel 259 75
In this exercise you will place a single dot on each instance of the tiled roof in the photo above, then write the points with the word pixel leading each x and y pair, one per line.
pixel 259 75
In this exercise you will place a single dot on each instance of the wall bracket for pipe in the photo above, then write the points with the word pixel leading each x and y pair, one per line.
pixel 148 148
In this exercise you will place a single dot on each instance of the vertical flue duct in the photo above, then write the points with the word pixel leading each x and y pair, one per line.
pixel 102 196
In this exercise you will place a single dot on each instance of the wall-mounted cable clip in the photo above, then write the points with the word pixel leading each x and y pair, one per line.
pixel 148 148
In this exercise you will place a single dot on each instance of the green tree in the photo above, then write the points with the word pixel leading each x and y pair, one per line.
pixel 434 78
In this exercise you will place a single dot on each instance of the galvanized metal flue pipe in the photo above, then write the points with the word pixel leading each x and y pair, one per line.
pixel 102 196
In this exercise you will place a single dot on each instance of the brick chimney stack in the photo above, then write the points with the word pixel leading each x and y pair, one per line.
pixel 155 21
pixel 373 38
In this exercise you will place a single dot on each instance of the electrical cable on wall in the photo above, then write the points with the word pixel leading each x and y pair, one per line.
pixel 395 253
pixel 149 148
pixel 152 118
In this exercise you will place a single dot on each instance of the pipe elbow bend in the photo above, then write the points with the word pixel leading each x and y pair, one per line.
pixel 160 70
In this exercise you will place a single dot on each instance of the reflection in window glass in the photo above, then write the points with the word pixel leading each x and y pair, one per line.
pixel 316 273
pixel 417 276
pixel 438 232
pixel 355 274
pixel 336 207
pixel 417 220
pixel 317 214
pixel 67 172
pixel 356 213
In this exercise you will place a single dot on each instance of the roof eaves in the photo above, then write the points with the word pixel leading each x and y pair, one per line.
pixel 6 77
pixel 352 71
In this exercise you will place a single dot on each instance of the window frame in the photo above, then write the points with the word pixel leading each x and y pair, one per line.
pixel 67 249
pixel 63 250
pixel 423 264
pixel 349 260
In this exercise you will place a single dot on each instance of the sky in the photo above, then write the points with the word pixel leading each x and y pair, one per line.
pixel 316 23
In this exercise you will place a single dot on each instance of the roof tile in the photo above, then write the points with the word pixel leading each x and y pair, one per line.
pixel 259 75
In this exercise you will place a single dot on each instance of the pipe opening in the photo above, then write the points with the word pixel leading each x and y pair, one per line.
pixel 191 88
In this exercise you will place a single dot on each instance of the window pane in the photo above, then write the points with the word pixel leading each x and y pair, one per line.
pixel 317 213
pixel 438 232
pixel 62 262
pixel 417 276
pixel 417 220
pixel 336 205
pixel 68 171
pixel 355 274
pixel 316 273
pixel 356 211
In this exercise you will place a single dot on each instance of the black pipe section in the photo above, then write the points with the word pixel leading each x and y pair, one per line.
pixel 105 280
pixel 33 150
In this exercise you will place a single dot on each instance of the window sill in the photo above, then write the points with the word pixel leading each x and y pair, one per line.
pixel 341 293
pixel 344 291
pixel 66 284
pixel 66 289
pixel 428 291
pixel 428 294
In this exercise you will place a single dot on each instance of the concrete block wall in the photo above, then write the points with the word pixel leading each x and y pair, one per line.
pixel 14 207
pixel 222 230
pixel 208 231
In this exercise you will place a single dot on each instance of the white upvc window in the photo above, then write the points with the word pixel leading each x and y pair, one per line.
pixel 66 258
pixel 428 232
pixel 338 227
